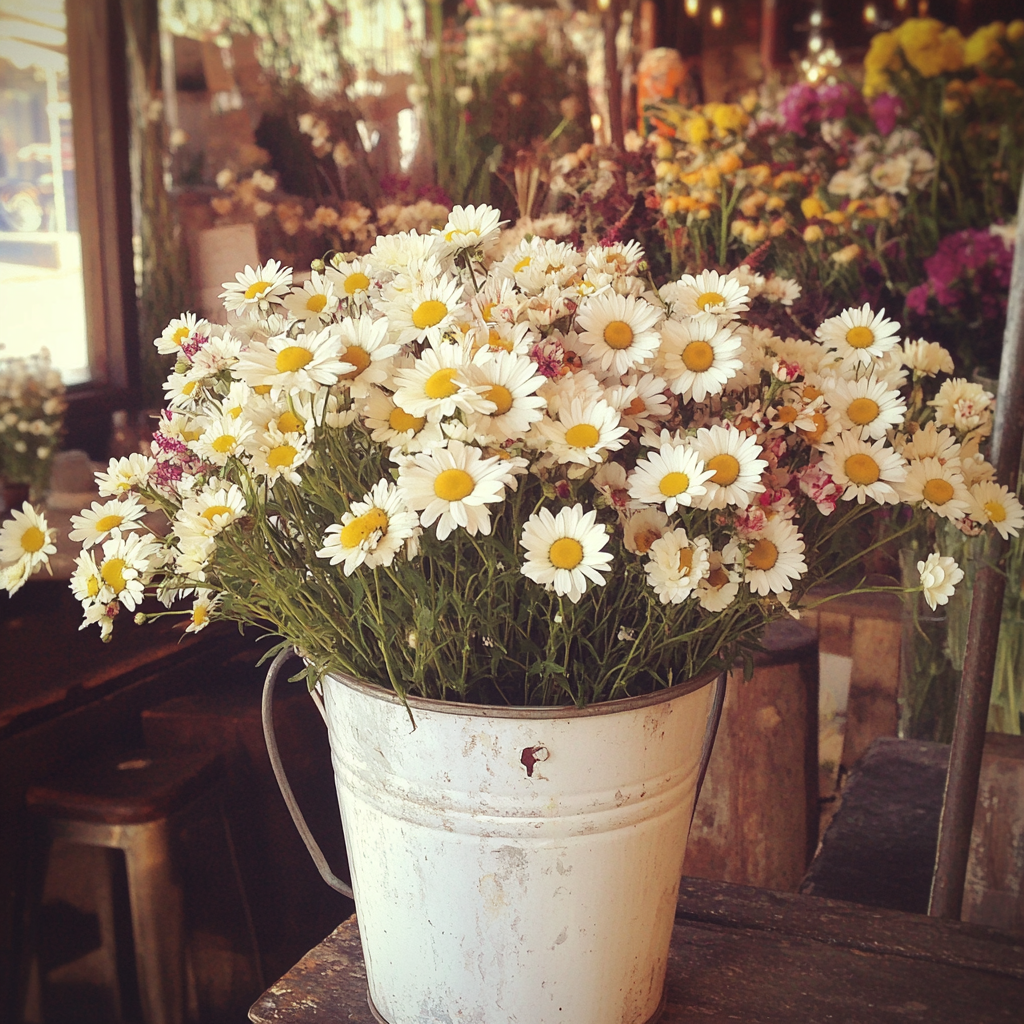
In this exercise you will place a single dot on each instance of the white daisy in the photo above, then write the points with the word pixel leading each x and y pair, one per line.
pixel 938 486
pixel 859 336
pixel 926 358
pixel 676 564
pixel 184 390
pixel 674 476
pixel 583 432
pixel 365 347
pixel 698 356
pixel 731 456
pixel 86 582
pixel 775 558
pixel 218 354
pixel 352 280
pixel 718 589
pixel 939 576
pixel 315 302
pixel 179 331
pixel 619 331
pixel 252 291
pixel 280 455
pixel 390 424
pixel 26 536
pixel 215 508
pixel 304 363
pixel 509 383
pixel 995 504
pixel 864 469
pixel 204 607
pixel 471 227
pixel 566 551
pixel 866 406
pixel 963 405
pixel 452 486
pixel 125 473
pixel 930 443
pixel 223 438
pixel 642 528
pixel 128 562
pixel 640 401
pixel 372 532
pixel 436 385
pixel 502 337
pixel 394 253
pixel 427 312
pixel 707 292
pixel 96 522
pixel 619 259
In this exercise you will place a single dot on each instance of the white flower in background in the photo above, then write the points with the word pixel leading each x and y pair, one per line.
pixel 365 347
pixel 427 312
pixel 926 358
pixel 698 356
pixel 203 607
pixel 620 259
pixel 676 564
pixel 352 280
pixel 392 254
pixel 962 405
pixel 673 476
pixel 510 383
pixel 96 522
pixel 452 486
pixel 251 289
pixel 848 183
pixel 314 303
pixel 938 486
pixel 939 576
pixel 775 558
pixel 26 541
pixel 892 175
pixel 995 504
pixel 222 439
pixel 619 331
pixel 436 386
pixel 859 336
pixel 783 290
pixel 707 292
pixel 128 561
pixel 731 456
pixel 124 474
pixel 564 552
pixel 719 587
pixel 215 508
pixel 867 407
pixel 280 455
pixel 285 364
pixel 864 469
pixel 372 532
pixel 643 528
pixel 930 443
pixel 179 331
pixel 471 227
pixel 746 276
pixel 582 433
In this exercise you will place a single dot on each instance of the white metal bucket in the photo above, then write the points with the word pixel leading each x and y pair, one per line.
pixel 516 865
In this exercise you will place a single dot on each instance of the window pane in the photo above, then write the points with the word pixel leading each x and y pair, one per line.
pixel 41 291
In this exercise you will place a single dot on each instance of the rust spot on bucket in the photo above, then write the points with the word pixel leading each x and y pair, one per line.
pixel 530 756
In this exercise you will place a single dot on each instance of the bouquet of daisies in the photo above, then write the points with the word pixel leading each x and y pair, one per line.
pixel 31 417
pixel 532 480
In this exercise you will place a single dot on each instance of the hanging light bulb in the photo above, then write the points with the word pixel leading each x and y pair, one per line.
pixel 870 14
pixel 717 16
pixel 901 5
pixel 814 44
pixel 815 19
pixel 692 7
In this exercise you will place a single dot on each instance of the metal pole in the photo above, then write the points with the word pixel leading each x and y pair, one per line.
pixel 961 794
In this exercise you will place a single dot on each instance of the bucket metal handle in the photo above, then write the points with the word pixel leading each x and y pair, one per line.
pixel 717 701
pixel 282 780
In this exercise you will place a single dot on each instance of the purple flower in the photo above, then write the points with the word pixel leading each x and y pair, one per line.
pixel 799 107
pixel 917 299
pixel 838 100
pixel 885 109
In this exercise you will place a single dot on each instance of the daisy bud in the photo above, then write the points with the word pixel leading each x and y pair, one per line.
pixel 140 618
pixel 318 266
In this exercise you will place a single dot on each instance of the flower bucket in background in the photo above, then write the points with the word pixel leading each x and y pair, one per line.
pixel 515 864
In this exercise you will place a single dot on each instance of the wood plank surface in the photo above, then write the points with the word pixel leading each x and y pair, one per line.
pixel 756 957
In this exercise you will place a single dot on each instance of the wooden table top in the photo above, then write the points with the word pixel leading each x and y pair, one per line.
pixel 756 957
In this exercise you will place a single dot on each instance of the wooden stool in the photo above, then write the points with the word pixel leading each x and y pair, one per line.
pixel 126 802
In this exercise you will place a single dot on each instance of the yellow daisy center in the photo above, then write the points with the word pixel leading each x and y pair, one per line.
pixel 111 522
pixel 496 341
pixel 363 527
pixel 179 335
pixel 401 421
pixel 358 357
pixel 262 389
pixel 810 393
pixel 257 288
pixel 643 539
pixel 763 555
pixel 861 469
pixel 224 444
pixel 860 337
pixel 862 411
pixel 995 511
pixel 487 312
pixel 937 491
pixel 316 303
pixel 673 483
pixel 522 264
pixel 440 384
pixel 618 334
pixel 820 426
pixel 710 299
pixel 215 510
pixel 582 435
pixel 188 387
pixel 235 412
pixel 112 572
pixel 566 553
pixel 429 314
pixel 356 282
pixel 92 586
pixel 637 406
pixel 717 578
pixel 685 559
pixel 199 616
pixel 698 356
pixel 281 456
pixel 289 423
pixel 726 468
pixel 501 397
pixel 453 484
pixel 787 414
pixel 32 540
pixel 292 358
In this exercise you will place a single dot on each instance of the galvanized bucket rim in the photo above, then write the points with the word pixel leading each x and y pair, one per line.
pixel 609 707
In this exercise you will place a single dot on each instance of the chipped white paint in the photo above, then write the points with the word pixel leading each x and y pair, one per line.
pixel 487 895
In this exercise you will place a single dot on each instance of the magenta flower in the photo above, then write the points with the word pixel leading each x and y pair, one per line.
pixel 885 110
